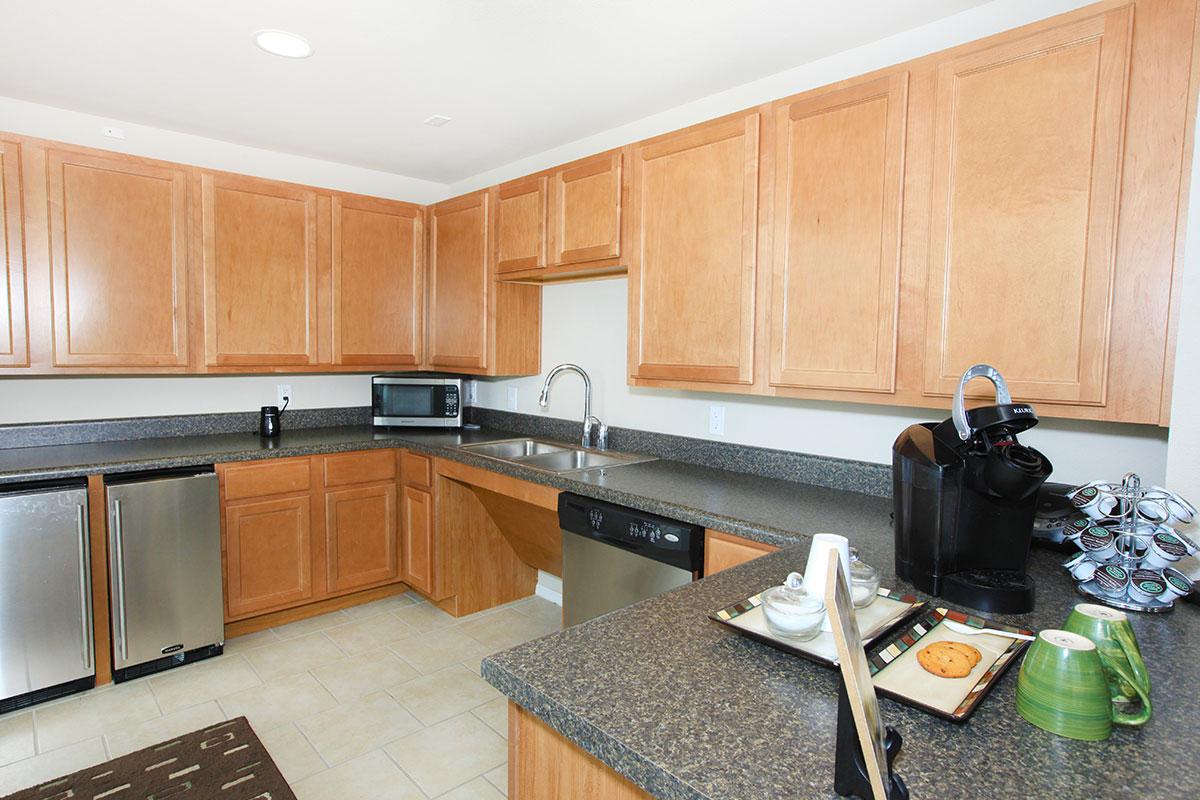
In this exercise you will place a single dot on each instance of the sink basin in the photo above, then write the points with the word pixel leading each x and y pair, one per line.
pixel 570 460
pixel 514 448
pixel 556 458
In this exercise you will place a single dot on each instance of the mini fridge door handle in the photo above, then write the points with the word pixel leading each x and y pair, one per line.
pixel 85 606
pixel 119 569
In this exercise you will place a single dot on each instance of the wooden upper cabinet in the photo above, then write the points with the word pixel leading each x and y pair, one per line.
pixel 14 339
pixel 260 272
pixel 1027 167
pixel 378 282
pixel 459 282
pixel 521 208
pixel 585 210
pixel 118 261
pixel 693 253
pixel 839 176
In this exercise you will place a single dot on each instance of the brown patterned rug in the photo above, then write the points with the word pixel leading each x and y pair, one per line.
pixel 222 762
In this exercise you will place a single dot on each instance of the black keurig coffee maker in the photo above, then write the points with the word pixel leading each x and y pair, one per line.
pixel 965 492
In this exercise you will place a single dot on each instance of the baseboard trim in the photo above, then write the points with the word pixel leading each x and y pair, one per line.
pixel 276 618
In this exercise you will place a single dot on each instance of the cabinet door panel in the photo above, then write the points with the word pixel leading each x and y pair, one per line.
pixel 360 531
pixel 14 339
pixel 378 256
pixel 268 559
pixel 118 239
pixel 586 210
pixel 459 282
pixel 260 272
pixel 521 225
pixel 839 174
pixel 1027 167
pixel 417 536
pixel 724 550
pixel 692 272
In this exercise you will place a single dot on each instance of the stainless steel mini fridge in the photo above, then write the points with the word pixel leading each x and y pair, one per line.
pixel 45 593
pixel 164 548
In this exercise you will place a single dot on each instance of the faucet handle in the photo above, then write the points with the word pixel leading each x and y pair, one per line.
pixel 602 437
pixel 593 423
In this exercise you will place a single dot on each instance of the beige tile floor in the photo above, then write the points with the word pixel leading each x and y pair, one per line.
pixel 380 701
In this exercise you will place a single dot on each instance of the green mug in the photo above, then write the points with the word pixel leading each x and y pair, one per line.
pixel 1062 688
pixel 1110 631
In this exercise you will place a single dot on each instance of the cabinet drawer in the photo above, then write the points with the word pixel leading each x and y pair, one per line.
pixel 260 479
pixel 366 467
pixel 416 470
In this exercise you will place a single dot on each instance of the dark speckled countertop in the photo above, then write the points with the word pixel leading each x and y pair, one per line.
pixel 688 709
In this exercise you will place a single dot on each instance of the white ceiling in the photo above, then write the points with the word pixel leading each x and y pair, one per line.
pixel 516 76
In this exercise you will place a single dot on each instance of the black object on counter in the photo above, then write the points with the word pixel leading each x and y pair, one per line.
pixel 270 422
pixel 850 777
pixel 965 492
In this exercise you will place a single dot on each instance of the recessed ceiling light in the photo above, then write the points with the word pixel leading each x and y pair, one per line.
pixel 282 43
pixel 436 121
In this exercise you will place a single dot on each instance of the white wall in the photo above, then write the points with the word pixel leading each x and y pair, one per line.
pixel 586 322
pixel 47 122
pixel 1183 451
pixel 53 399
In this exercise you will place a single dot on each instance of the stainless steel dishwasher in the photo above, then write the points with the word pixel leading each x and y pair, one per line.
pixel 164 549
pixel 614 556
pixel 45 593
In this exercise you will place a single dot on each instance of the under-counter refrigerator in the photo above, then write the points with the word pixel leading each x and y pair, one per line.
pixel 164 551
pixel 45 593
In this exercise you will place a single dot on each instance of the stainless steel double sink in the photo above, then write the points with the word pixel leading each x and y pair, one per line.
pixel 551 456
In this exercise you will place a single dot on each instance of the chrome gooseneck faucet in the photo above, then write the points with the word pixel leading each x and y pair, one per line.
pixel 589 422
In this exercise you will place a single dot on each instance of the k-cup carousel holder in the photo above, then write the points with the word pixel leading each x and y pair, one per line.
pixel 1128 546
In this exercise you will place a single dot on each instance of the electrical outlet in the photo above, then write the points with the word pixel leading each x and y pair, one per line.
pixel 113 133
pixel 512 398
pixel 716 420
pixel 283 394
pixel 471 392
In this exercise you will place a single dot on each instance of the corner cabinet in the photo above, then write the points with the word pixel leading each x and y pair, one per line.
pixel 839 173
pixel 14 339
pixel 118 231
pixel 378 277
pixel 475 324
pixel 694 253
pixel 259 251
pixel 1026 191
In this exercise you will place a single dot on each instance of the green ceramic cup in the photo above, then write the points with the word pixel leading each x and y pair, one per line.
pixel 1110 631
pixel 1062 689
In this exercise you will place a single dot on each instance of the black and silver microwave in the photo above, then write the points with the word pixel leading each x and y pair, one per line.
pixel 425 400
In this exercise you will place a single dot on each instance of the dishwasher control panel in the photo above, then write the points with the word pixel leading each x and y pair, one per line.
pixel 667 540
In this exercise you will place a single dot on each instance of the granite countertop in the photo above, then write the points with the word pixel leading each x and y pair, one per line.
pixel 765 509
pixel 686 708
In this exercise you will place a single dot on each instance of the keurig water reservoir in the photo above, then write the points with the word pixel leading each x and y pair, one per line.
pixel 965 493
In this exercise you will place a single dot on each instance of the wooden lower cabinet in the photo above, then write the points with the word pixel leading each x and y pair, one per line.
pixel 360 537
pixel 724 550
pixel 268 555
pixel 543 765
pixel 300 530
pixel 417 516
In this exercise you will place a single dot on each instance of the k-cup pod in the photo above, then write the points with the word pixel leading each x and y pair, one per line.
pixel 1081 567
pixel 1181 510
pixel 1098 543
pixel 1147 586
pixel 1076 526
pixel 1188 542
pixel 1178 584
pixel 1164 550
pixel 1112 580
